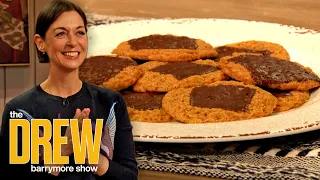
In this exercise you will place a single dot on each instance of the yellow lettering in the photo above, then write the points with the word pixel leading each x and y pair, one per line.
pixel 36 141
pixel 52 155
pixel 13 140
pixel 58 140
pixel 87 142
pixel 94 147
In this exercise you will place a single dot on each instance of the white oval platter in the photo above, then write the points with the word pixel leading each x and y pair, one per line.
pixel 302 44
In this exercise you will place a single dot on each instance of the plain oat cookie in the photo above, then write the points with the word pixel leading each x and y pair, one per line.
pixel 114 72
pixel 218 102
pixel 167 48
pixel 165 76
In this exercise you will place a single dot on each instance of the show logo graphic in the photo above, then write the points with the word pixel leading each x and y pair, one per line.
pixel 42 140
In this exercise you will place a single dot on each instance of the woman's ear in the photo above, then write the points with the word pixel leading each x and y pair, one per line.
pixel 39 42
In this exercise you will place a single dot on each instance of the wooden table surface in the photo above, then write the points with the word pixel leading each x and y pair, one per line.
pixel 301 13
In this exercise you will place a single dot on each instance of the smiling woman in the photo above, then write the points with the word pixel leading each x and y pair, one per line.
pixel 65 41
pixel 59 36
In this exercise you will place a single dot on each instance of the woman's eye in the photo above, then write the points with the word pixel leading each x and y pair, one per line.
pixel 60 34
pixel 81 33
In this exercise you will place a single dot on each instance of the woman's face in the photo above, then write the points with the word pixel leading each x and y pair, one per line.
pixel 66 41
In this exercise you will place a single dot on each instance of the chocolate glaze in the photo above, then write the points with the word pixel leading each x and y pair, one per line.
pixel 228 97
pixel 270 70
pixel 279 93
pixel 181 70
pixel 139 61
pixel 163 42
pixel 143 101
pixel 228 51
pixel 99 69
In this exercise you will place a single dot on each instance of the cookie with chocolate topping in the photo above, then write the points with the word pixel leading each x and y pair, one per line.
pixel 289 99
pixel 269 72
pixel 146 107
pixel 218 102
pixel 166 48
pixel 113 72
pixel 165 76
pixel 257 47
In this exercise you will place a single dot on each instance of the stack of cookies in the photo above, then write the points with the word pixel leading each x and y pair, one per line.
pixel 165 78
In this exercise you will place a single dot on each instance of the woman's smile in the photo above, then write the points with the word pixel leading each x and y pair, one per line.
pixel 71 54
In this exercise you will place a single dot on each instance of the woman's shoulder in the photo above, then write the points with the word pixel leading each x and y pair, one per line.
pixel 24 98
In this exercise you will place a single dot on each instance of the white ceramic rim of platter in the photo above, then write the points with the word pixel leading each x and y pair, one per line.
pixel 302 44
